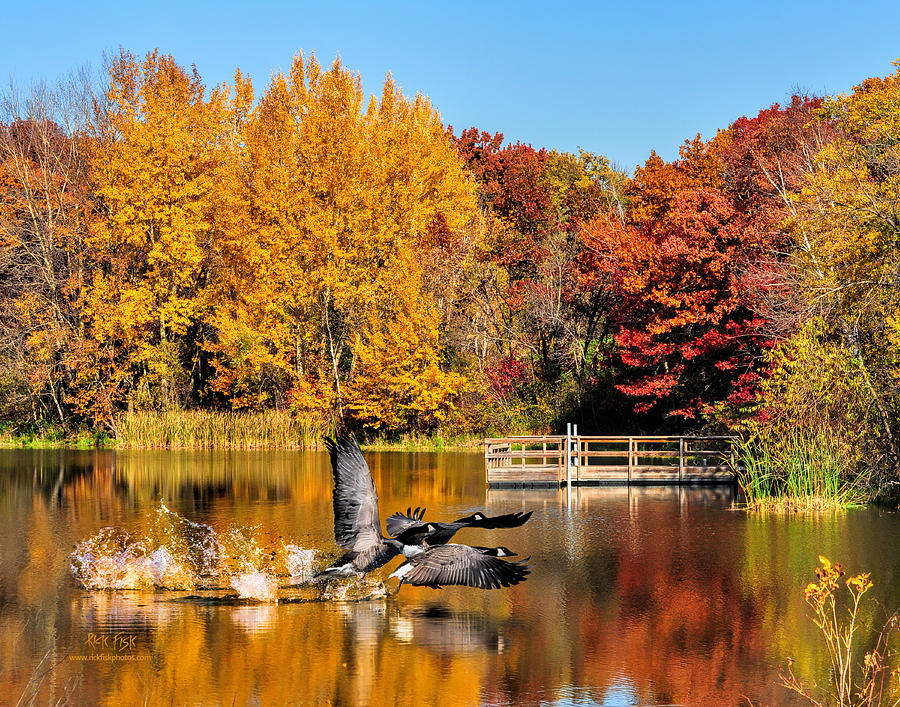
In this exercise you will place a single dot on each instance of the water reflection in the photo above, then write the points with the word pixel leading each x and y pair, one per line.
pixel 642 595
pixel 256 618
pixel 444 630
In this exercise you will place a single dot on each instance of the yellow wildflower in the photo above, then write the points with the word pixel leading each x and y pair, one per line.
pixel 860 582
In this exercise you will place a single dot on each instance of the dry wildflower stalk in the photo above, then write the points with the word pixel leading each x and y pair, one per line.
pixel 878 681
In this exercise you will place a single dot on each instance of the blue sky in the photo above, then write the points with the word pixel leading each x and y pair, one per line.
pixel 616 78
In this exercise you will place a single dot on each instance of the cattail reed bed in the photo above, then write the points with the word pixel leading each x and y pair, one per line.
pixel 197 429
pixel 799 472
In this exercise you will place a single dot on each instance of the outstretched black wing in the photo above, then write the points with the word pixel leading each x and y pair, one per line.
pixel 510 520
pixel 411 529
pixel 398 522
pixel 356 523
pixel 444 565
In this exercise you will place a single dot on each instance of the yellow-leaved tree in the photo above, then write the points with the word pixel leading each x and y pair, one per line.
pixel 399 383
pixel 339 192
pixel 153 169
pixel 847 229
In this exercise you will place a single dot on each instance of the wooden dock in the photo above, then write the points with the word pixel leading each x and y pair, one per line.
pixel 542 460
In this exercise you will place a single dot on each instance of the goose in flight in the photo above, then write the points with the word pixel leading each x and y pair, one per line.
pixel 443 565
pixel 357 529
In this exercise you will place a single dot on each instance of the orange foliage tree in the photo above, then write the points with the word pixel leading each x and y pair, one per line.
pixel 340 195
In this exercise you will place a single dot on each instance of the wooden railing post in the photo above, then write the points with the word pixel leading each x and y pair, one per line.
pixel 582 449
pixel 630 457
pixel 680 459
pixel 577 458
pixel 582 455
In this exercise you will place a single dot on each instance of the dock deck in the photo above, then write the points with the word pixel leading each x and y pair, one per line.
pixel 542 460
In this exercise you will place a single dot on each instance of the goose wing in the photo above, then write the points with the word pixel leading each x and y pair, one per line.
pixel 398 522
pixel 509 520
pixel 444 565
pixel 410 528
pixel 356 523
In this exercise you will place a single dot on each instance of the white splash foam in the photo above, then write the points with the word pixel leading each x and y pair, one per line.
pixel 356 589
pixel 112 559
pixel 256 585
pixel 159 562
pixel 301 562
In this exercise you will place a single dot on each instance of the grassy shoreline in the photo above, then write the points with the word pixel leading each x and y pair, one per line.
pixel 436 442
pixel 798 472
pixel 200 430
pixel 87 440
pixel 56 439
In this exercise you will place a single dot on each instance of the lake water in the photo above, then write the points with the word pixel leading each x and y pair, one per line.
pixel 645 595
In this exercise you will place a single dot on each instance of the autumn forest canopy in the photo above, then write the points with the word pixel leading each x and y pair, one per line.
pixel 166 245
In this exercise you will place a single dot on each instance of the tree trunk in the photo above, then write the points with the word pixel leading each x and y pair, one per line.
pixel 335 355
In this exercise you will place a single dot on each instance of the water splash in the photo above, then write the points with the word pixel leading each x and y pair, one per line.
pixel 256 585
pixel 178 553
pixel 301 562
pixel 355 589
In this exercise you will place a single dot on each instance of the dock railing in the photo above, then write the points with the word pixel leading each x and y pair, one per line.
pixel 541 460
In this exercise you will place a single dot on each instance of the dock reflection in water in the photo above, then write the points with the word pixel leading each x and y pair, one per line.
pixel 641 595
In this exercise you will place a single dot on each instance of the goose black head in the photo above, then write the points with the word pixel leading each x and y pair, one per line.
pixel 501 552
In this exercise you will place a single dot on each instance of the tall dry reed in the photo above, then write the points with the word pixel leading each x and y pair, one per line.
pixel 198 429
